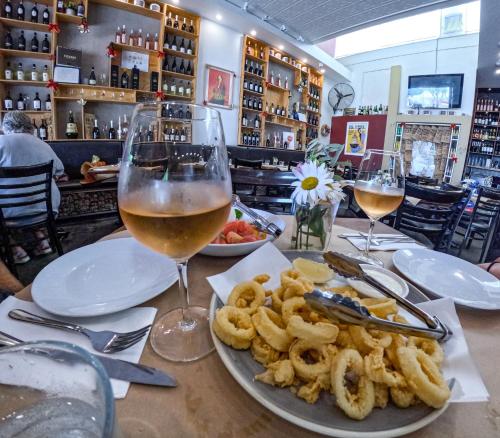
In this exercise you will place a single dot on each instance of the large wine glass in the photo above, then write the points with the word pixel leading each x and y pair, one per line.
pixel 379 189
pixel 174 195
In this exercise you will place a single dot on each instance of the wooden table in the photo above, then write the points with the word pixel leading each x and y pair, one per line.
pixel 209 403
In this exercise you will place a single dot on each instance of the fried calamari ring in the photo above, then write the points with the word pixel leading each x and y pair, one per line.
pixel 344 340
pixel 278 373
pixel 391 351
pixel 359 401
pixel 261 278
pixel 377 371
pixel 294 284
pixel 367 340
pixel 295 306
pixel 262 352
pixel 234 327
pixel 429 346
pixel 402 396
pixel 271 327
pixel 277 299
pixel 381 395
pixel 247 296
pixel 380 307
pixel 320 332
pixel 310 391
pixel 318 359
pixel 423 376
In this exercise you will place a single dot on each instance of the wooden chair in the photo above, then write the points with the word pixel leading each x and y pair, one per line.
pixel 26 186
pixel 435 216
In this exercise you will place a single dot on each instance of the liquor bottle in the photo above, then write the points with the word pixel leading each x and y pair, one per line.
pixel 147 44
pixel 174 66
pixel 189 69
pixel 35 129
pixel 125 125
pixel 124 35
pixel 135 78
pixel 180 88
pixel 140 39
pixel 184 25
pixel 131 38
pixel 156 44
pixel 286 82
pixel 166 44
pixel 182 47
pixel 260 105
pixel 244 120
pixel 165 65
pixel 256 122
pixel 92 77
pixel 8 43
pixel 96 132
pixel 60 6
pixel 163 111
pixel 34 73
pixel 71 126
pixel 124 81
pixel 8 72
pixel 268 141
pixel 37 103
pixel 279 80
pixel 173 87
pixel 176 22
pixel 188 113
pixel 7 9
pixel 173 46
pixel 191 27
pixel 245 101
pixel 20 103
pixel 46 44
pixel 45 74
pixel 188 89
pixel 43 131
pixel 20 11
pixel 118 35
pixel 7 102
pixel 48 103
pixel 154 81
pixel 177 135
pixel 170 111
pixel 189 50
pixel 21 42
pixel 80 10
pixel 20 72
pixel 111 131
pixel 164 86
pixel 169 19
pixel 183 135
pixel 34 13
pixel 34 43
pixel 119 131
pixel 46 16
pixel 182 68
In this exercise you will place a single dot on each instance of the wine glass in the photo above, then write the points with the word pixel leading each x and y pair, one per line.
pixel 175 206
pixel 379 189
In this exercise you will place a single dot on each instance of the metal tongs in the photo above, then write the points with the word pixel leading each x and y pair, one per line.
pixel 260 222
pixel 348 310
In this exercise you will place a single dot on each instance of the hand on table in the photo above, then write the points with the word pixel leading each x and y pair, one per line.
pixel 494 270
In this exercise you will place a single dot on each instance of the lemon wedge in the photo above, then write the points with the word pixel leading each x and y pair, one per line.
pixel 313 271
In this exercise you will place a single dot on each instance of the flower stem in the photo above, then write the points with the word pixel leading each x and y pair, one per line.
pixel 369 238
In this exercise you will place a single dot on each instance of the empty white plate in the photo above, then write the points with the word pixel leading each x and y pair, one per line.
pixel 102 278
pixel 447 276
pixel 384 276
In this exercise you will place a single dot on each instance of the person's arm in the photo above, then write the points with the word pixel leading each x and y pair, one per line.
pixel 493 267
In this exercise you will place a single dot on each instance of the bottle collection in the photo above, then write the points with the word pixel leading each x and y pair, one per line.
pixel 109 131
pixel 312 119
pixel 313 105
pixel 176 87
pixel 255 69
pixel 252 139
pixel 277 142
pixel 178 44
pixel 276 80
pixel 276 110
pixel 41 131
pixel 19 12
pixel 486 120
pixel 175 112
pixel 486 134
pixel 254 86
pixel 311 133
pixel 173 133
pixel 250 123
pixel 23 103
pixel 314 92
pixel 20 43
pixel 136 39
pixel 482 161
pixel 370 110
pixel 252 102
pixel 35 74
pixel 177 22
pixel 487 104
pixel 255 51
pixel 478 147
pixel 69 8
pixel 177 67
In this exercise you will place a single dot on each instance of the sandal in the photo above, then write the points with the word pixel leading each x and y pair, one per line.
pixel 20 256
pixel 42 248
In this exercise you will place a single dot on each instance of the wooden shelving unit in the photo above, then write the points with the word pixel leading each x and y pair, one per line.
pixel 99 94
pixel 260 53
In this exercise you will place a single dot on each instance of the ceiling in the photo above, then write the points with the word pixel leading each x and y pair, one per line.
pixel 315 21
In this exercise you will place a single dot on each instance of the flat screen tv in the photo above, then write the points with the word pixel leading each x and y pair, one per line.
pixel 435 91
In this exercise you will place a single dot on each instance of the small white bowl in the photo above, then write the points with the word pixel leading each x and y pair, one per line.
pixel 239 249
pixel 384 276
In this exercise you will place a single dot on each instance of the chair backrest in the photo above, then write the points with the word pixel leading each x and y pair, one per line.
pixel 254 164
pixel 24 186
pixel 292 164
pixel 487 205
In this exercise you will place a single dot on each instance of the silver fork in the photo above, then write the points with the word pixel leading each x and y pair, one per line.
pixel 103 341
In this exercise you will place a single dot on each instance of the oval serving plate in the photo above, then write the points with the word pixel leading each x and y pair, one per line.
pixel 324 416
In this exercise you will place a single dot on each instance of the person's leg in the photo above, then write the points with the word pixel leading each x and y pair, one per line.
pixel 20 255
pixel 43 246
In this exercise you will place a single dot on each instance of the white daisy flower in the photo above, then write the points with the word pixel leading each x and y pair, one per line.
pixel 313 185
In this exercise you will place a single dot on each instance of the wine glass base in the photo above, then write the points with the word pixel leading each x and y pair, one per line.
pixel 370 260
pixel 181 339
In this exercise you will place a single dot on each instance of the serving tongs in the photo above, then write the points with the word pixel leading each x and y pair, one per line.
pixel 350 311
pixel 256 219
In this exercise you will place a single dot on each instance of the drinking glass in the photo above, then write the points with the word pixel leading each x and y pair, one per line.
pixel 176 207
pixel 379 189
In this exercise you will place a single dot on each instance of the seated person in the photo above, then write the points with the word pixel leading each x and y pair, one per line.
pixel 19 147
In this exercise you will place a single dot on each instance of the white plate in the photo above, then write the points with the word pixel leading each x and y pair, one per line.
pixel 102 278
pixel 447 276
pixel 384 276
pixel 239 249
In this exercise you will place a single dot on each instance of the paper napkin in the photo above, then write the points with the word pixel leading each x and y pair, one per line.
pixel 125 321
pixel 360 243
pixel 458 364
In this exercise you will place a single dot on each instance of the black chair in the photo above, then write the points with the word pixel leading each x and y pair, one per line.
pixel 350 173
pixel 292 164
pixel 27 186
pixel 253 164
pixel 483 221
pixel 422 180
pixel 435 216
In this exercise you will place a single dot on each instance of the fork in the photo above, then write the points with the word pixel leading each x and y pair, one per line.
pixel 104 341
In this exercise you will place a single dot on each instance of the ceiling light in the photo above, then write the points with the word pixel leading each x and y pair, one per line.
pixel 322 70
pixel 175 1
pixel 218 17
pixel 281 47
pixel 253 32
pixel 304 59
pixel 497 71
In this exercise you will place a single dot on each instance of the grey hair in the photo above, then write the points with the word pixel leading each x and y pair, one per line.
pixel 16 122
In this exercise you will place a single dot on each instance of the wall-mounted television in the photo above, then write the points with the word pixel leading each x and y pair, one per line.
pixel 435 91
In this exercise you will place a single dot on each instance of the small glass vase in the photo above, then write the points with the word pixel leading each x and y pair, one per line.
pixel 313 226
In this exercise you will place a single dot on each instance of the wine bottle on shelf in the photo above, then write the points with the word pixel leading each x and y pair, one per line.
pixel 21 42
pixel 20 103
pixel 188 114
pixel 166 44
pixel 7 102
pixel 176 22
pixel 131 38
pixel 46 44
pixel 268 141
pixel 124 81
pixel 118 35
pixel 174 66
pixel 165 65
pixel 163 111
pixel 191 27
pixel 37 103
pixel 8 75
pixel 20 72
pixel 43 131
pixel 169 19
pixel 189 69
pixel 140 39
pixel 119 131
pixel 147 44
pixel 60 6
pixel 92 77
pixel 173 46
pixel 48 103
pixel 8 42
pixel 124 35
pixel 177 135
pixel 150 134
pixel 111 131
pixel 180 88
pixel 125 125
pixel 189 49
pixel 188 89
pixel 96 132
pixel 46 16
pixel 182 47
pixel 154 81
pixel 173 87
pixel 182 68
pixel 34 73
pixel 80 10
pixel 20 11
pixel 256 122
pixel 7 9
pixel 156 44
pixel 184 25
pixel 135 78
pixel 71 126
pixel 183 135
pixel 34 43
pixel 34 13
pixel 35 129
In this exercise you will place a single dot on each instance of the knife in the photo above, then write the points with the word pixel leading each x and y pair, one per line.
pixel 116 368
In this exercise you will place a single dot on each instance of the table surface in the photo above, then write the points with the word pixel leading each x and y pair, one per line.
pixel 209 403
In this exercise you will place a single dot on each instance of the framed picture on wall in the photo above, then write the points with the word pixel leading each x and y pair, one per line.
pixel 219 87
pixel 355 138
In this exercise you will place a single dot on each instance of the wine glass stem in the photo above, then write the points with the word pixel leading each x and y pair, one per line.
pixel 183 291
pixel 369 238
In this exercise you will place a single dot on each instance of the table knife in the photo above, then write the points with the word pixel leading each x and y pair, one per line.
pixel 117 368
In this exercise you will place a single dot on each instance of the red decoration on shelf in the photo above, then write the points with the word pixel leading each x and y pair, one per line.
pixel 160 95
pixel 454 158
pixel 453 126
pixel 53 27
pixel 111 52
pixel 52 57
pixel 161 54
pixel 52 84
pixel 83 27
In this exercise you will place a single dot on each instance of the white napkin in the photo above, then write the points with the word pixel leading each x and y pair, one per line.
pixel 469 386
pixel 360 243
pixel 125 321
